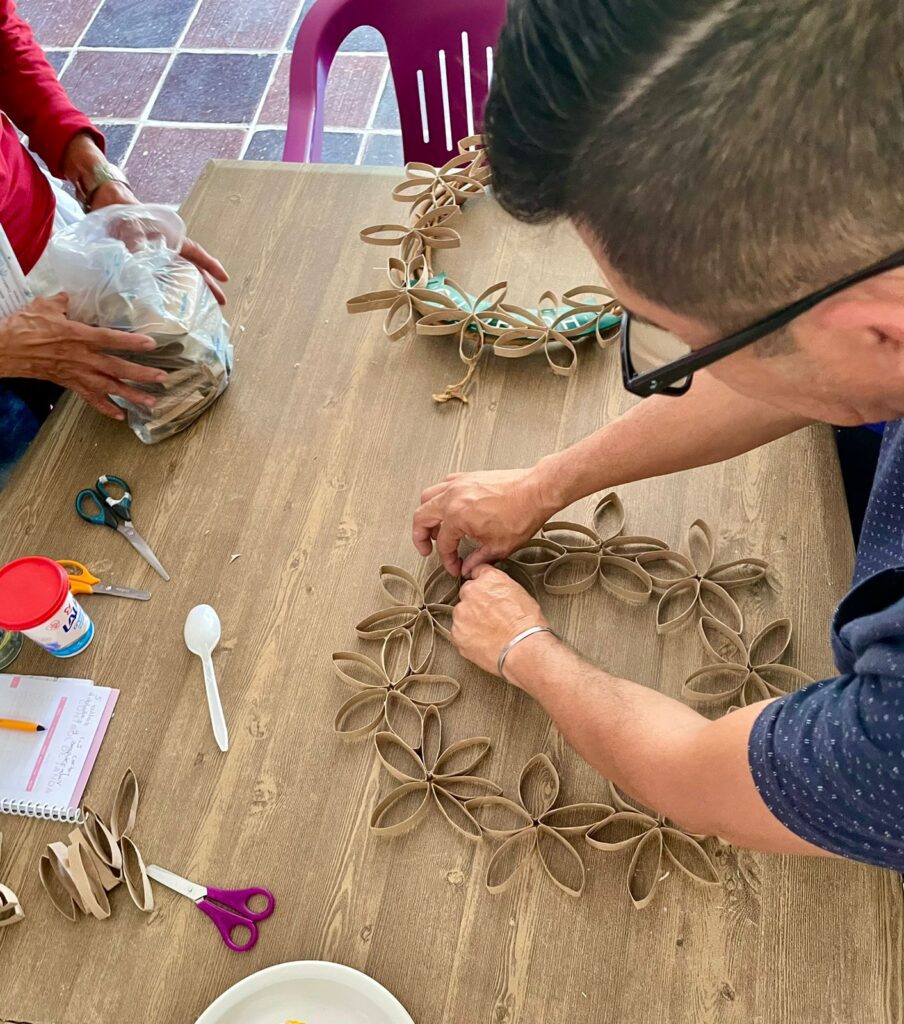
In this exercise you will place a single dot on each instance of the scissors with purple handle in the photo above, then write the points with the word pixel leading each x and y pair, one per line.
pixel 229 909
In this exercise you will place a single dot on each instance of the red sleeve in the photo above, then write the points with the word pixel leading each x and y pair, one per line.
pixel 31 95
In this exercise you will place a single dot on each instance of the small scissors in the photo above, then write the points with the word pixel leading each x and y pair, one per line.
pixel 115 511
pixel 229 909
pixel 82 581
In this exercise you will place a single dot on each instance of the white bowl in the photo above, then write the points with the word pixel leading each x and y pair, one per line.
pixel 311 991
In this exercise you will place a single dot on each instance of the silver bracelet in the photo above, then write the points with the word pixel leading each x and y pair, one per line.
pixel 523 635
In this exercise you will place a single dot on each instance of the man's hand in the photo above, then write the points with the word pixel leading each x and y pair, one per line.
pixel 39 341
pixel 499 510
pixel 492 610
pixel 113 193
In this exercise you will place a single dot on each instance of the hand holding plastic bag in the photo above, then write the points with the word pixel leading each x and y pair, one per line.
pixel 121 268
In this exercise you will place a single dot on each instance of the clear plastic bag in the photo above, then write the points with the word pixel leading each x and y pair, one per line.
pixel 121 268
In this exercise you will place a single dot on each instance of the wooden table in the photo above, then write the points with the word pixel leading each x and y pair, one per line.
pixel 308 470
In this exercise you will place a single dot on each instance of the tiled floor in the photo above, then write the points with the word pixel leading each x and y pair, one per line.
pixel 174 83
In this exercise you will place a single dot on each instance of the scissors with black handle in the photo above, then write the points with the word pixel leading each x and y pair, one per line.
pixel 109 503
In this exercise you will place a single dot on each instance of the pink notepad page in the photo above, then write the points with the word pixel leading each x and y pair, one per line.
pixel 45 773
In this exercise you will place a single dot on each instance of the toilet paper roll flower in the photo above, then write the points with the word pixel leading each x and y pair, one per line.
pixel 406 298
pixel 534 826
pixel 657 847
pixel 740 673
pixel 428 231
pixel 469 323
pixel 429 776
pixel 600 552
pixel 454 182
pixel 692 585
pixel 365 710
pixel 423 609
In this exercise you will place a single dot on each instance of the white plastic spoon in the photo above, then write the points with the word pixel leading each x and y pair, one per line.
pixel 202 634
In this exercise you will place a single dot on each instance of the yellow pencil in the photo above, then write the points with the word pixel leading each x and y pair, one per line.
pixel 15 724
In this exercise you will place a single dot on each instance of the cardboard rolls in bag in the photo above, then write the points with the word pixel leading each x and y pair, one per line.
pixel 121 268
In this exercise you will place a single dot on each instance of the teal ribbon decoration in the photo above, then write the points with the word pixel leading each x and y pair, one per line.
pixel 583 322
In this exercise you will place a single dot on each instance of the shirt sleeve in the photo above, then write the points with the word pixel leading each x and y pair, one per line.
pixel 31 95
pixel 828 760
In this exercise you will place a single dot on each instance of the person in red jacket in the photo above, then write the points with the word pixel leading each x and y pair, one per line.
pixel 39 343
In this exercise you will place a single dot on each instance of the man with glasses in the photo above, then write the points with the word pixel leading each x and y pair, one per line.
pixel 736 169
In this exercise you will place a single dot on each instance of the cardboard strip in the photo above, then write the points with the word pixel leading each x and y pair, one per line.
pixel 82 866
pixel 656 845
pixel 533 824
pixel 78 875
pixel 430 776
pixel 125 806
pixel 135 876
pixel 108 879
pixel 103 843
pixel 11 911
pixel 742 675
pixel 53 869
pixel 10 908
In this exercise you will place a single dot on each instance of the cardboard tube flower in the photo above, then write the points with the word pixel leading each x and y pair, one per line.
pixel 429 776
pixel 454 182
pixel 425 610
pixel 10 908
pixel 407 295
pixel 598 552
pixel 657 847
pixel 550 331
pixel 593 299
pixel 740 674
pixel 535 826
pixel 692 585
pixel 469 324
pixel 365 710
pixel 429 231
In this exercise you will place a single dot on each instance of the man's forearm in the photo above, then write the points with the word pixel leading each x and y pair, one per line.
pixel 652 747
pixel 663 435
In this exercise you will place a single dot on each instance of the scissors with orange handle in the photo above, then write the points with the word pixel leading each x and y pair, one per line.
pixel 82 581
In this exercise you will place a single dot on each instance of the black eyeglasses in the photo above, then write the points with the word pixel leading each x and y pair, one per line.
pixel 655 362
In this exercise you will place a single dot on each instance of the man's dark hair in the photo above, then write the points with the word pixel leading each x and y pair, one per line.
pixel 728 155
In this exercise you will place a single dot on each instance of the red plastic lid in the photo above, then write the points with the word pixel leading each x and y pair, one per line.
pixel 31 590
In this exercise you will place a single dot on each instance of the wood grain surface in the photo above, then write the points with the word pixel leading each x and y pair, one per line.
pixel 308 469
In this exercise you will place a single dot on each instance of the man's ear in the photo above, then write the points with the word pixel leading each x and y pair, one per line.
pixel 878 316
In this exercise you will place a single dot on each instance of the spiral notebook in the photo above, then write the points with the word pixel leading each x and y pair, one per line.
pixel 44 774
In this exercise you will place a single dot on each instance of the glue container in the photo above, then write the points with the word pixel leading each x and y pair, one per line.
pixel 35 600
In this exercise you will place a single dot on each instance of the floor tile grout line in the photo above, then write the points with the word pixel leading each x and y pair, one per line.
pixel 332 129
pixel 384 78
pixel 280 53
pixel 270 80
pixel 74 49
pixel 214 51
pixel 155 92
pixel 359 159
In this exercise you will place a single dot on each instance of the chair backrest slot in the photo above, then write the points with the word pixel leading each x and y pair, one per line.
pixel 466 65
pixel 422 96
pixel 440 55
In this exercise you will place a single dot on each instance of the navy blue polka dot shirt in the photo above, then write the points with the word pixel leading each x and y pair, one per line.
pixel 828 760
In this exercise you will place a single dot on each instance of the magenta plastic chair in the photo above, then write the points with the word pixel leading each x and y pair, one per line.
pixel 441 57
